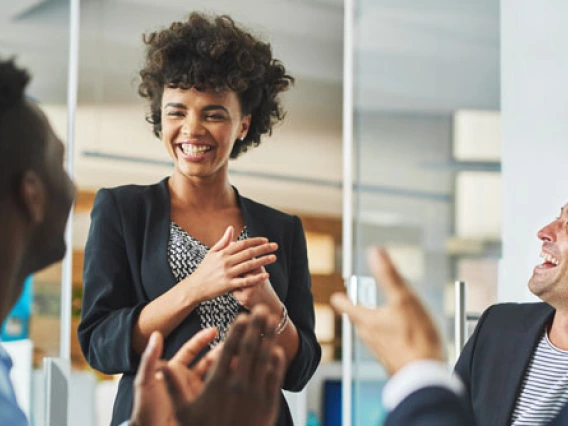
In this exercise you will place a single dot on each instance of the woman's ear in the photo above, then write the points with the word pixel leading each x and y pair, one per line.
pixel 245 125
pixel 31 195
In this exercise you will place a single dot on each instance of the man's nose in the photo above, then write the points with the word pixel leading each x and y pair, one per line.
pixel 548 233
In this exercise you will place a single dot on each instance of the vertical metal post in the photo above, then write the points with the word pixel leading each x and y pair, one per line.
pixel 347 267
pixel 67 269
pixel 460 320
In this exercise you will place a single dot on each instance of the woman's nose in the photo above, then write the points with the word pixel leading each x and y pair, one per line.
pixel 192 126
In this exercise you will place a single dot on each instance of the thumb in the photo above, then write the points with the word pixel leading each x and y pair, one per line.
pixel 225 239
pixel 150 359
pixel 341 304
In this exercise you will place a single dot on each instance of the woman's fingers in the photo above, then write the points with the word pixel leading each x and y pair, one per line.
pixel 251 253
pixel 252 265
pixel 239 246
pixel 248 281
pixel 225 239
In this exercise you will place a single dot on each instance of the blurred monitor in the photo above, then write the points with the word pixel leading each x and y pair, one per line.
pixel 366 402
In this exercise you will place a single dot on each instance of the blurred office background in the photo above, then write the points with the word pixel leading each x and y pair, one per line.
pixel 425 138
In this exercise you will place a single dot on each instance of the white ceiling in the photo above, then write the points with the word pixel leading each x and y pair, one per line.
pixel 413 58
pixel 412 55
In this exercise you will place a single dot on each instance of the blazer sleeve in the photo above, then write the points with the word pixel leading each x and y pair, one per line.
pixel 111 305
pixel 300 304
pixel 430 406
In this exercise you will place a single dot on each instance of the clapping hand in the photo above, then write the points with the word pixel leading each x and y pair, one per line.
pixel 398 332
pixel 243 387
pixel 152 403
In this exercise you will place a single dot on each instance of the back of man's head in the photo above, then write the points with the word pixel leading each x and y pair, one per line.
pixel 35 192
pixel 20 146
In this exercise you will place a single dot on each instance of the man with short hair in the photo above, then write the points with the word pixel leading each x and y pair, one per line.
pixel 36 195
pixel 403 337
pixel 515 365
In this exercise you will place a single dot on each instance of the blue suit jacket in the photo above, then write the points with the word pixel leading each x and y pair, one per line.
pixel 495 359
pixel 435 406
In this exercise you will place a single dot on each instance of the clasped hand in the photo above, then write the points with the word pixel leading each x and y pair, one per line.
pixel 237 267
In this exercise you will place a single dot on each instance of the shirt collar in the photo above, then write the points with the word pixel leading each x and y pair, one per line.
pixel 4 357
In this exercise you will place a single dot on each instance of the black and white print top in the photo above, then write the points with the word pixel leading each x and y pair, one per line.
pixel 185 253
pixel 545 386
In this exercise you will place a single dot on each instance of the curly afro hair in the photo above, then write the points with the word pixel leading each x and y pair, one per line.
pixel 212 52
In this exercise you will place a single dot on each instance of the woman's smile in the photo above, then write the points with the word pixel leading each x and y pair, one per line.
pixel 194 152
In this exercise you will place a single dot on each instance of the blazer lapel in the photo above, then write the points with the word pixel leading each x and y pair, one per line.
pixel 253 223
pixel 157 272
pixel 250 222
pixel 522 345
pixel 258 225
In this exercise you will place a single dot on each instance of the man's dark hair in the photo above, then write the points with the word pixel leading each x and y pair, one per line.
pixel 206 52
pixel 13 82
pixel 20 147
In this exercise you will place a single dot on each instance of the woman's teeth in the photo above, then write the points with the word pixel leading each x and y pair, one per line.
pixel 195 149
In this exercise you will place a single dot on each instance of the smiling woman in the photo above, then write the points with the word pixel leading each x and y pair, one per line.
pixel 190 252
pixel 199 128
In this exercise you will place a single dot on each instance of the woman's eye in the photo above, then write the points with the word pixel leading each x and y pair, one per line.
pixel 215 116
pixel 175 114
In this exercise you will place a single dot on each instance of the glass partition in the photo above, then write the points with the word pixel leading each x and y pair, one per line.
pixel 36 34
pixel 416 65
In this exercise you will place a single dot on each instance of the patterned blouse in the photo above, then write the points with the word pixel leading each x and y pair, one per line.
pixel 185 253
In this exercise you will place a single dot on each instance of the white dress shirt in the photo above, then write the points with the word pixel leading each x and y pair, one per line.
pixel 418 375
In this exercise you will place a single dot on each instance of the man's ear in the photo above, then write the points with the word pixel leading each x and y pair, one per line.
pixel 32 196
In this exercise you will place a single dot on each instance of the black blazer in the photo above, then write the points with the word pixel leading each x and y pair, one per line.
pixel 494 360
pixel 436 406
pixel 126 266
pixel 430 406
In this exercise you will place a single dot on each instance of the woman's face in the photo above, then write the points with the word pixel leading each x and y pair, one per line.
pixel 199 129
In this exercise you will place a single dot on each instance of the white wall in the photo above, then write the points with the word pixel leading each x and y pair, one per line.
pixel 534 101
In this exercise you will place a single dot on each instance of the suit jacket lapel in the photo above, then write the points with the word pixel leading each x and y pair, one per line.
pixel 253 223
pixel 259 225
pixel 250 222
pixel 521 345
pixel 157 272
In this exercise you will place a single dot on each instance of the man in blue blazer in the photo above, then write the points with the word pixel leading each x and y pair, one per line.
pixel 514 365
pixel 403 337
